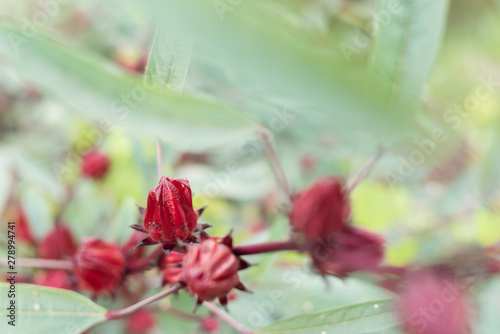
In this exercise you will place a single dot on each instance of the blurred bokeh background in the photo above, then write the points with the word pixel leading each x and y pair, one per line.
pixel 330 81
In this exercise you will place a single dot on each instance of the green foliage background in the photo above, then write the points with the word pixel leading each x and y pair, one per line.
pixel 332 80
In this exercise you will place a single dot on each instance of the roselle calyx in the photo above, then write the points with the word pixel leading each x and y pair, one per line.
pixel 210 271
pixel 99 266
pixel 58 243
pixel 169 217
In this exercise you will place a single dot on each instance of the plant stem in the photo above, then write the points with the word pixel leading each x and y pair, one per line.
pixel 118 314
pixel 274 162
pixel 146 263
pixel 360 175
pixel 226 318
pixel 41 263
pixel 265 248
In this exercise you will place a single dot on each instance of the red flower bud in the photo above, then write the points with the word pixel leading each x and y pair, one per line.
pixel 433 303
pixel 54 278
pixel 173 268
pixel 95 164
pixel 141 322
pixel 210 271
pixel 210 324
pixel 23 228
pixel 99 266
pixel 58 244
pixel 169 214
pixel 320 210
pixel 350 250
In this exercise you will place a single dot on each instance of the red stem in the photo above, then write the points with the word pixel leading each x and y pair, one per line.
pixel 118 314
pixel 265 248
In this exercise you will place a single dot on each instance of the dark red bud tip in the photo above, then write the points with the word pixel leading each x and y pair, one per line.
pixel 99 266
pixel 58 244
pixel 95 164
pixel 169 213
pixel 210 270
pixel 320 210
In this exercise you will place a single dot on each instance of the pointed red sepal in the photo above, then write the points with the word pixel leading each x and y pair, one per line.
pixel 146 242
pixel 199 301
pixel 223 302
pixel 242 287
pixel 244 264
pixel 141 209
pixel 139 228
pixel 200 210
pixel 204 236
pixel 228 240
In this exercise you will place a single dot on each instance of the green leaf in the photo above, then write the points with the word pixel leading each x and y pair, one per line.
pixel 351 319
pixel 489 304
pixel 273 59
pixel 168 60
pixel 48 310
pixel 405 49
pixel 109 96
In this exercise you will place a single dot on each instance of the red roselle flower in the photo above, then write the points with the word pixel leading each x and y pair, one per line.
pixel 434 302
pixel 351 249
pixel 210 270
pixel 141 322
pixel 58 244
pixel 173 268
pixel 99 266
pixel 95 164
pixel 320 210
pixel 169 217
pixel 54 278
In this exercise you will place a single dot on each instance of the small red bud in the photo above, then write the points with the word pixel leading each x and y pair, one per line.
pixel 141 322
pixel 433 303
pixel 210 324
pixel 95 164
pixel 173 268
pixel 23 228
pixel 99 266
pixel 210 271
pixel 320 210
pixel 58 244
pixel 169 214
pixel 350 250
pixel 54 278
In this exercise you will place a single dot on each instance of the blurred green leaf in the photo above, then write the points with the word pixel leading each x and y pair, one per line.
pixel 49 310
pixel 276 59
pixel 168 60
pixel 405 49
pixel 489 304
pixel 109 96
pixel 351 319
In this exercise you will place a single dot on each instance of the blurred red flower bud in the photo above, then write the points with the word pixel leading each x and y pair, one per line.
pixel 58 244
pixel 23 228
pixel 95 164
pixel 54 278
pixel 173 268
pixel 169 214
pixel 210 324
pixel 320 210
pixel 210 270
pixel 99 266
pixel 141 322
pixel 129 249
pixel 434 302
pixel 350 250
